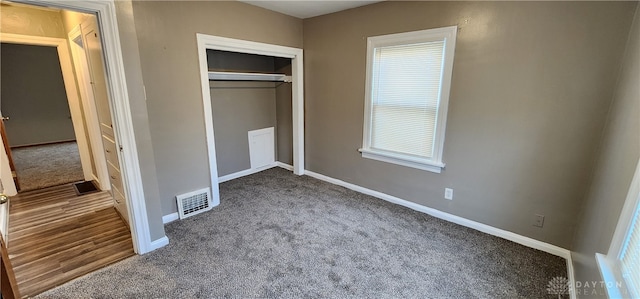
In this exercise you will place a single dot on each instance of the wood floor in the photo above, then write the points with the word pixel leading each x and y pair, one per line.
pixel 56 236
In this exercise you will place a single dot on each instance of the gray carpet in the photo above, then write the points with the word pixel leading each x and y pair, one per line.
pixel 277 235
pixel 48 165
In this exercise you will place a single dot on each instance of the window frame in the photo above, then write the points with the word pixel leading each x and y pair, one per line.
pixel 435 164
pixel 609 264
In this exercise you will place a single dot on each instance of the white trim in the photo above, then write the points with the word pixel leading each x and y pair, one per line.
pixel 121 109
pixel 522 240
pixel 526 241
pixel 609 264
pixel 205 42
pixel 403 160
pixel 610 277
pixel 297 107
pixel 208 119
pixel 571 275
pixel 71 89
pixel 245 172
pixel 170 218
pixel 284 165
pixel 162 242
pixel 449 35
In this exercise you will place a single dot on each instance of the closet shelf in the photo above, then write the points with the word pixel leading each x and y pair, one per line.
pixel 233 76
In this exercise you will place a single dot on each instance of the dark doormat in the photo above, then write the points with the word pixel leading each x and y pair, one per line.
pixel 85 187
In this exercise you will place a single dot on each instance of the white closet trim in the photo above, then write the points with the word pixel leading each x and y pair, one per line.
pixel 209 42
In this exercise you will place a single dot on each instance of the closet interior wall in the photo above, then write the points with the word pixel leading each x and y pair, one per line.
pixel 242 106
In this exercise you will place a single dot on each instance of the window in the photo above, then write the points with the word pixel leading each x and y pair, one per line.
pixel 630 256
pixel 408 80
pixel 620 268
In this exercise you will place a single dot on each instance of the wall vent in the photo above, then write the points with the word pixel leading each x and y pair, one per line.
pixel 194 203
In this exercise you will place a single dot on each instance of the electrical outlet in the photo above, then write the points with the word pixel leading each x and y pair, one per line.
pixel 538 220
pixel 448 193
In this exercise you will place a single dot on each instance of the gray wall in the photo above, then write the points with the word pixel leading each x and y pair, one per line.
pixel 33 96
pixel 239 62
pixel 617 158
pixel 284 126
pixel 239 107
pixel 166 32
pixel 284 116
pixel 532 82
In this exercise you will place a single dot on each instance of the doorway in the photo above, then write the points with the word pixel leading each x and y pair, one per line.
pixel 131 182
pixel 56 233
pixel 86 211
pixel 40 131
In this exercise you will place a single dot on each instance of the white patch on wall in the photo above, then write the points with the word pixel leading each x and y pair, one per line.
pixel 194 202
pixel 262 148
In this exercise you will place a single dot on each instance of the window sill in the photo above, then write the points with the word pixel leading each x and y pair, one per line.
pixel 613 281
pixel 403 160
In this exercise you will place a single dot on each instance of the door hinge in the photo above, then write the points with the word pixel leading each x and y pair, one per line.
pixel 120 147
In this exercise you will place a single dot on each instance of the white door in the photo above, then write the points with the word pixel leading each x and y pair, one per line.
pixel 93 48
pixel 81 65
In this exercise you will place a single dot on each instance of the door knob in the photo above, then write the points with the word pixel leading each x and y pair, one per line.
pixel 4 118
pixel 3 199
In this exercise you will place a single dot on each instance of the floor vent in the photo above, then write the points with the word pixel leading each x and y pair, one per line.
pixel 194 203
pixel 85 187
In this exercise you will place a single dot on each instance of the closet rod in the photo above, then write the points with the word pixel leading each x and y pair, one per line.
pixel 233 76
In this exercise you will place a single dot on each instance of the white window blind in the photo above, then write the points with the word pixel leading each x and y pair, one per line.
pixel 630 256
pixel 407 95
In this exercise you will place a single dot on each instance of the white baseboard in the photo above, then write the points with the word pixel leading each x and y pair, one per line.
pixel 170 218
pixel 571 276
pixel 245 172
pixel 284 165
pixel 526 241
pixel 162 242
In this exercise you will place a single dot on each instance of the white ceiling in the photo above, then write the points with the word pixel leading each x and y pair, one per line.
pixel 308 8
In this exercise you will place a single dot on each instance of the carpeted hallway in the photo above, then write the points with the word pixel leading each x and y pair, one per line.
pixel 47 165
pixel 277 235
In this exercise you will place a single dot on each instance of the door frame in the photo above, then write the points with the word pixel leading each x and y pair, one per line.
pixel 8 283
pixel 122 116
pixel 211 42
pixel 73 101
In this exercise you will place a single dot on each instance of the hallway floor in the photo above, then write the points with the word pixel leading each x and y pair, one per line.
pixel 48 165
pixel 56 236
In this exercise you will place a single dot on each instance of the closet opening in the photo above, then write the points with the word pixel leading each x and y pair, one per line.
pixel 253 107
